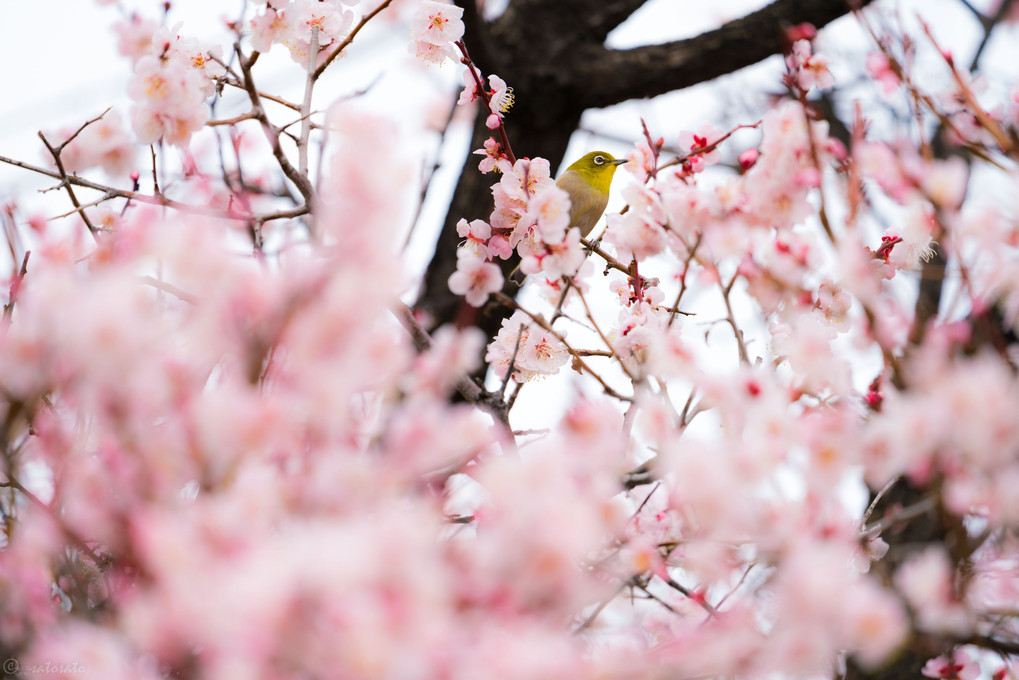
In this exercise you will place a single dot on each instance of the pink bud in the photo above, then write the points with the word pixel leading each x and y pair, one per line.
pixel 748 158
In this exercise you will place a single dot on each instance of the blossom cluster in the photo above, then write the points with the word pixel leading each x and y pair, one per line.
pixel 712 515
pixel 302 26
pixel 173 77
pixel 434 29
pixel 234 453
pixel 104 143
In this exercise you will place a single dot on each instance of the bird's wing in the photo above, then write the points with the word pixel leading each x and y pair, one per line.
pixel 586 203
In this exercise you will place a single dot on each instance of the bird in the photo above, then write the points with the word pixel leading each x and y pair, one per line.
pixel 587 182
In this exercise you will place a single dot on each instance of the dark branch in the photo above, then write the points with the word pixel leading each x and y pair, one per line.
pixel 612 76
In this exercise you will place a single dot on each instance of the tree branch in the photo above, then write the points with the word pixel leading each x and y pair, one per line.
pixel 612 76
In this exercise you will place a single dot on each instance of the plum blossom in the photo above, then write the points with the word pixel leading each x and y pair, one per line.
pixel 556 259
pixel 639 233
pixel 438 22
pixel 501 97
pixel 199 55
pixel 694 145
pixel 809 68
pixel 477 233
pixel 494 157
pixel 880 69
pixel 328 22
pixel 959 666
pixel 169 101
pixel 434 29
pixel 550 210
pixel 533 350
pixel 104 143
pixel 475 278
pixel 834 304
pixel 639 330
pixel 454 353
pixel 470 92
pixel 913 239
pixel 512 194
pixel 641 161
pixel 927 582
pixel 134 37
pixel 270 27
pixel 748 158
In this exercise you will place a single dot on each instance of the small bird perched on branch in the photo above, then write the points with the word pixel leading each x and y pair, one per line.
pixel 587 182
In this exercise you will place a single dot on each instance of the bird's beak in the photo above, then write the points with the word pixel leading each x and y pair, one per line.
pixel 619 161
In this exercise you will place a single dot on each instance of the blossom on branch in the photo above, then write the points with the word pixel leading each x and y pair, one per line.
pixel 533 350
pixel 475 277
pixel 809 68
pixel 434 29
pixel 169 101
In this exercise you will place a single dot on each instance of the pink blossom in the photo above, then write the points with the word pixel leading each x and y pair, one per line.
pixel 104 143
pixel 642 161
pixel 270 27
pixel 639 233
pixel 927 582
pixel 556 259
pixel 328 22
pixel 810 69
pixel 470 91
pixel 499 246
pixel 494 157
pixel 748 158
pixel 328 19
pixel 475 278
pixel 834 303
pixel 501 96
pixel 453 354
pixel 245 467
pixel 477 233
pixel 434 29
pixel 512 194
pixel 537 352
pixel 694 145
pixel 169 101
pixel 876 623
pixel 879 68
pixel 437 23
pixel 550 208
pixel 915 239
pixel 960 666
pixel 134 37
pixel 431 53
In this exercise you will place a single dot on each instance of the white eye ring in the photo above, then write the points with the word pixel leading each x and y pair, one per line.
pixel 599 160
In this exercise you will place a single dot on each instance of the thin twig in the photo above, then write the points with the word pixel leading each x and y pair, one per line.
pixel 590 316
pixel 512 304
pixel 15 287
pixel 111 192
pixel 731 318
pixel 302 183
pixel 66 183
pixel 877 499
pixel 916 510
pixel 81 128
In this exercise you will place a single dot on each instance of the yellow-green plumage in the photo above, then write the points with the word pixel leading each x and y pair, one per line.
pixel 587 182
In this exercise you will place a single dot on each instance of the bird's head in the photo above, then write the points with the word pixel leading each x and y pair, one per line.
pixel 597 168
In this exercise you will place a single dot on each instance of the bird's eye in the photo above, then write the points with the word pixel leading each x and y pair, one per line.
pixel 599 160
